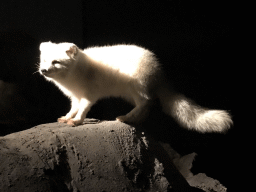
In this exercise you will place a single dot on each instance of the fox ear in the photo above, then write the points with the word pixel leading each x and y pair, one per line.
pixel 73 50
pixel 45 45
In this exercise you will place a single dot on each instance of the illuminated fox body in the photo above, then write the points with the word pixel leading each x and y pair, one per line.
pixel 127 71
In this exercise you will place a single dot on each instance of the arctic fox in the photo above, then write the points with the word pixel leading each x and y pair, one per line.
pixel 127 71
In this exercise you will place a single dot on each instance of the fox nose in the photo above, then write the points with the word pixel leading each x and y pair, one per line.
pixel 43 71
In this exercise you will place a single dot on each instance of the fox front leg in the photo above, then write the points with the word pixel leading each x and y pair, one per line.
pixel 84 108
pixel 72 113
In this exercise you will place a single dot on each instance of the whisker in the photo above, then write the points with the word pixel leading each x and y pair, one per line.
pixel 35 72
pixel 37 66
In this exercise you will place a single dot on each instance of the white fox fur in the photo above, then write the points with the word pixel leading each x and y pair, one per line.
pixel 126 71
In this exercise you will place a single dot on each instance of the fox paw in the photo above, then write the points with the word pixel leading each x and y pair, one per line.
pixel 121 118
pixel 129 119
pixel 62 119
pixel 125 119
pixel 74 122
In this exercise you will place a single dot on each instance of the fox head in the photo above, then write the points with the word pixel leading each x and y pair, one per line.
pixel 56 59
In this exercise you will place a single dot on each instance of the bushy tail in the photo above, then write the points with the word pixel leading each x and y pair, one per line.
pixel 192 116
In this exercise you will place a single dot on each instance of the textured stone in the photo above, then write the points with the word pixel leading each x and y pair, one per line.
pixel 104 156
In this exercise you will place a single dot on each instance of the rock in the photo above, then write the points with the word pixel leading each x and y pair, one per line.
pixel 104 156
pixel 205 183
pixel 184 165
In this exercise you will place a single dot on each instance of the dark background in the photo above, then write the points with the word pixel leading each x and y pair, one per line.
pixel 197 43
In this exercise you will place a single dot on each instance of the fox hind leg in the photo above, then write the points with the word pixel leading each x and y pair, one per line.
pixel 139 113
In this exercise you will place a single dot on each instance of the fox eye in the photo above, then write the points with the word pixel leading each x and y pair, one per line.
pixel 55 62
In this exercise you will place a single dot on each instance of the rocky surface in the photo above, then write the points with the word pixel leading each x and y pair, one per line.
pixel 184 165
pixel 97 156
